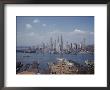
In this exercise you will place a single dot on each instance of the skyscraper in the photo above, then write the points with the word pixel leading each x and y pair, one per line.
pixel 58 45
pixel 61 44
pixel 51 44
pixel 55 45
pixel 83 43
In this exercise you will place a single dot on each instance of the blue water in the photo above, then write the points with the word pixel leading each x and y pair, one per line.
pixel 50 58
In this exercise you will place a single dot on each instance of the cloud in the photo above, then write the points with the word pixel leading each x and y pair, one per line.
pixel 44 25
pixel 28 26
pixel 72 36
pixel 36 21
pixel 75 36
pixel 79 31
pixel 70 33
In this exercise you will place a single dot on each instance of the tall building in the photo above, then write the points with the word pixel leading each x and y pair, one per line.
pixel 71 46
pixel 61 44
pixel 55 45
pixel 67 46
pixel 51 44
pixel 83 43
pixel 75 46
pixel 58 45
pixel 80 45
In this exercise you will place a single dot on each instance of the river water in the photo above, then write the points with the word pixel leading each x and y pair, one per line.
pixel 43 59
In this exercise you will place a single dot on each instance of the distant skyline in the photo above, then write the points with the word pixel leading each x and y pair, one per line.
pixel 33 30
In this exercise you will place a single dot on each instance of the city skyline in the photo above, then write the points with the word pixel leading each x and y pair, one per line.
pixel 33 30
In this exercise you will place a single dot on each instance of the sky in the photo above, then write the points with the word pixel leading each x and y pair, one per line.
pixel 33 30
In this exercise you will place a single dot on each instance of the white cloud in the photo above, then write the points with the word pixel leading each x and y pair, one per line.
pixel 70 33
pixel 72 36
pixel 79 31
pixel 44 25
pixel 36 21
pixel 74 33
pixel 28 26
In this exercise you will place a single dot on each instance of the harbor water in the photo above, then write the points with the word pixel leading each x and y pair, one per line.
pixel 44 59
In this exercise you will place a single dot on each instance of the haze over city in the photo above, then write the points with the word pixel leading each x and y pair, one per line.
pixel 33 30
